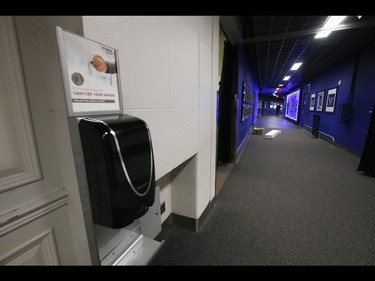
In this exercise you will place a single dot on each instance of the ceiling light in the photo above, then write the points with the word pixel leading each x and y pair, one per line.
pixel 322 34
pixel 286 78
pixel 328 27
pixel 296 66
pixel 280 85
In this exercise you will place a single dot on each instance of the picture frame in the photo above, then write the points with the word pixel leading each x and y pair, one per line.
pixel 292 106
pixel 312 102
pixel 320 101
pixel 91 75
pixel 331 100
pixel 247 101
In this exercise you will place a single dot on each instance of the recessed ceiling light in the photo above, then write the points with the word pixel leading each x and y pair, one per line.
pixel 286 78
pixel 296 66
pixel 328 27
pixel 322 34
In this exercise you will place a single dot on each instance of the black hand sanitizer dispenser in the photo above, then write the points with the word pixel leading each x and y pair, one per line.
pixel 120 169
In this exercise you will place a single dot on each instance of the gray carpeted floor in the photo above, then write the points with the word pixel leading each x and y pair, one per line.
pixel 292 200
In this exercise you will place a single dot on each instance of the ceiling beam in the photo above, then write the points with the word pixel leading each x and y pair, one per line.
pixel 306 32
pixel 232 28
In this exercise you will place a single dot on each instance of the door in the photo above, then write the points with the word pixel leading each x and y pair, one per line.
pixel 35 227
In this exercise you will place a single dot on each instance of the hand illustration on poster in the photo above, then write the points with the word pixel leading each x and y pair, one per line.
pixel 101 65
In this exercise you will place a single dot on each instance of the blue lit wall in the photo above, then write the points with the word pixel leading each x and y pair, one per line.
pixel 352 134
pixel 247 74
pixel 292 105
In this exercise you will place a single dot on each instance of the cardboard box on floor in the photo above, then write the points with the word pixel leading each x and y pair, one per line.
pixel 257 131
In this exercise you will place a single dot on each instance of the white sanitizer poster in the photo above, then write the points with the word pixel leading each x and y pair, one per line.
pixel 90 74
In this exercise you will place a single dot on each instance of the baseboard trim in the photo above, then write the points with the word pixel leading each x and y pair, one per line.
pixel 188 223
pixel 242 147
pixel 327 139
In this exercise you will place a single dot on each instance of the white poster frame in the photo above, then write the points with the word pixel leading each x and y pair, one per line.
pixel 312 102
pixel 331 100
pixel 89 90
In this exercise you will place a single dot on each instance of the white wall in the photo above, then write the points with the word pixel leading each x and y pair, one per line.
pixel 166 65
pixel 166 195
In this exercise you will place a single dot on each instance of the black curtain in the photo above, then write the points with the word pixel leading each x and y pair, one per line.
pixel 224 120
pixel 367 163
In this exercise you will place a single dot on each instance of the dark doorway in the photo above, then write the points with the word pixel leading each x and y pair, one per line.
pixel 226 108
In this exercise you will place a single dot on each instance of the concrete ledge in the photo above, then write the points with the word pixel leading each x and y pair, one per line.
pixel 272 134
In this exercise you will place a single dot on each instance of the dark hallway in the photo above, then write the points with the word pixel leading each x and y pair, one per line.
pixel 292 200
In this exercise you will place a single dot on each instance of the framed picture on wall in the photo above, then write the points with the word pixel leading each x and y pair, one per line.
pixel 319 104
pixel 247 101
pixel 331 100
pixel 312 102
